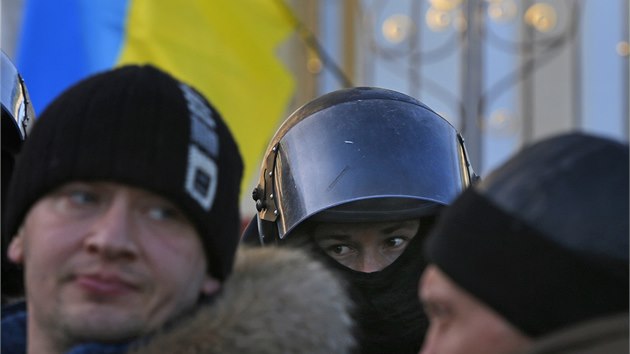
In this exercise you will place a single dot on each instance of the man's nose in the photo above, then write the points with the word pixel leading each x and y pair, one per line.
pixel 426 349
pixel 428 346
pixel 111 235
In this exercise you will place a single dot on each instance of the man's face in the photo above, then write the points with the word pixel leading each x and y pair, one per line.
pixel 459 323
pixel 365 247
pixel 106 262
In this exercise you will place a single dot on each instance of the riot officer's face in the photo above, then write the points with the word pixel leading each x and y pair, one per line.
pixel 365 247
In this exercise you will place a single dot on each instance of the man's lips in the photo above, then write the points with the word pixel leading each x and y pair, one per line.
pixel 104 284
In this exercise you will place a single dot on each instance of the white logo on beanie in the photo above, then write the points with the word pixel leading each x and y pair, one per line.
pixel 202 171
pixel 201 178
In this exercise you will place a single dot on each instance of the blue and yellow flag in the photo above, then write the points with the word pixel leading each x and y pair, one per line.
pixel 225 48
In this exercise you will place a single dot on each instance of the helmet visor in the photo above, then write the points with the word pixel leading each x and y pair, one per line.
pixel 372 160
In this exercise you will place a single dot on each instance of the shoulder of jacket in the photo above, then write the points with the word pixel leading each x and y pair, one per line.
pixel 277 300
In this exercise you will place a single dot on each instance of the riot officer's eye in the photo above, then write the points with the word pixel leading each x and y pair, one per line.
pixel 395 242
pixel 338 250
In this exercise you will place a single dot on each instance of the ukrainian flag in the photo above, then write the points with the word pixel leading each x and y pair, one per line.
pixel 225 48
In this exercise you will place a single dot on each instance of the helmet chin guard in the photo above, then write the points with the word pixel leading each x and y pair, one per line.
pixel 357 155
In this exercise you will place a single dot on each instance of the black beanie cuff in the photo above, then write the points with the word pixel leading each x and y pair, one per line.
pixel 528 279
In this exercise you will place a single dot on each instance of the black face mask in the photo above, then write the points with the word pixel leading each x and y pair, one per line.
pixel 388 314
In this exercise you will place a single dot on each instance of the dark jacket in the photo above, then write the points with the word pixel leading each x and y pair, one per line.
pixel 14 335
pixel 607 335
pixel 277 300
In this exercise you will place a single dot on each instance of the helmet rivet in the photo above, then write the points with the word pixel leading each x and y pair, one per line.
pixel 274 149
pixel 275 212
pixel 256 193
pixel 271 196
pixel 270 173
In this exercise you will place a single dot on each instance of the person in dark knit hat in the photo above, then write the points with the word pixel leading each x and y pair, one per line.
pixel 124 210
pixel 535 257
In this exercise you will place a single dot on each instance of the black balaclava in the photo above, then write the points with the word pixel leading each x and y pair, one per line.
pixel 389 317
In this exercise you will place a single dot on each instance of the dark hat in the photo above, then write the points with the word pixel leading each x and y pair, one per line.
pixel 544 239
pixel 139 126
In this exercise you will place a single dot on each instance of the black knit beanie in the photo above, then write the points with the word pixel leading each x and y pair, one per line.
pixel 139 126
pixel 544 239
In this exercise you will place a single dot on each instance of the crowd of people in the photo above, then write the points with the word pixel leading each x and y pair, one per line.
pixel 372 232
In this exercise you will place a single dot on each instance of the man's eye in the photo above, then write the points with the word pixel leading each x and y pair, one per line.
pixel 80 197
pixel 162 213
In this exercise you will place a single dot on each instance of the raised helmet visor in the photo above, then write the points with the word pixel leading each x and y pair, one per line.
pixel 374 158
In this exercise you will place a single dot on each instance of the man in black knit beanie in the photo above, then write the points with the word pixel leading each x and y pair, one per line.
pixel 534 258
pixel 124 213
pixel 123 207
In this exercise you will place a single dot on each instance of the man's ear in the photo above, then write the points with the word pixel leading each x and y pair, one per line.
pixel 210 285
pixel 15 251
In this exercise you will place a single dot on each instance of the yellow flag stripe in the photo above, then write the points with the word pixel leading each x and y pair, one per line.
pixel 227 50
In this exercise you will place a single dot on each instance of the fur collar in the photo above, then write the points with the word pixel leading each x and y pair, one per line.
pixel 277 300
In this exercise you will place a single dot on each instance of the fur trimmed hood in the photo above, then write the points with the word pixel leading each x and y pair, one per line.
pixel 277 300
